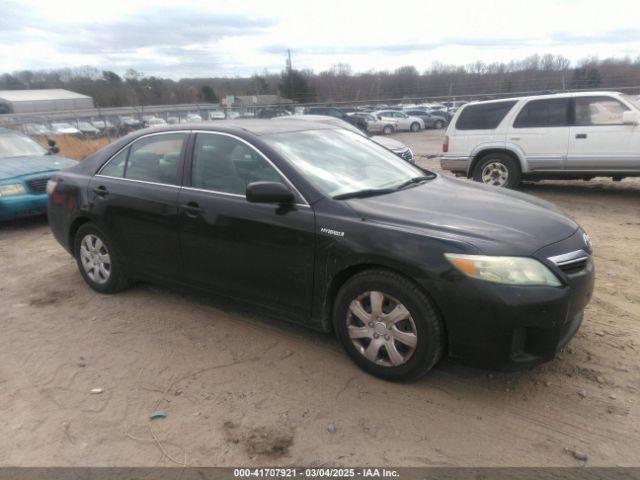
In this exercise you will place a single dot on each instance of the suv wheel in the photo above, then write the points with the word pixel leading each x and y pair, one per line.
pixel 388 326
pixel 415 126
pixel 387 130
pixel 98 262
pixel 499 170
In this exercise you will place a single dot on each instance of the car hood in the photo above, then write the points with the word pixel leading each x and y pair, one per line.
pixel 18 166
pixel 389 143
pixel 495 221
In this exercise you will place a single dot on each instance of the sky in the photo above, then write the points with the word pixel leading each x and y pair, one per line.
pixel 193 38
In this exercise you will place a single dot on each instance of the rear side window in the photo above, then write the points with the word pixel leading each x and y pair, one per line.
pixel 484 116
pixel 150 159
pixel 155 159
pixel 544 113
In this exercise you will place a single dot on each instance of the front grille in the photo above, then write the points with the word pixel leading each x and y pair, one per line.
pixel 38 185
pixel 574 266
pixel 572 262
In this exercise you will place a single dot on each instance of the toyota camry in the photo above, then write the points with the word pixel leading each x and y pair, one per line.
pixel 326 228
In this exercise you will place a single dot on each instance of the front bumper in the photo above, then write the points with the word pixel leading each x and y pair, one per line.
pixel 510 328
pixel 455 164
pixel 26 205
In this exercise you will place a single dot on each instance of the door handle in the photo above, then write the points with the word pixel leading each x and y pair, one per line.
pixel 192 209
pixel 581 135
pixel 101 191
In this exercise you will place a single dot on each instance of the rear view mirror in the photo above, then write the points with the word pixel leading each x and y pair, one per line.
pixel 268 192
pixel 631 117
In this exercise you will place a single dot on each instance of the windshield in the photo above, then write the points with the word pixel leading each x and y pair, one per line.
pixel 15 145
pixel 340 162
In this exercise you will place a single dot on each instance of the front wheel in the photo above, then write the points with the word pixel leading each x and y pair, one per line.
pixel 439 124
pixel 388 326
pixel 415 126
pixel 97 260
pixel 499 170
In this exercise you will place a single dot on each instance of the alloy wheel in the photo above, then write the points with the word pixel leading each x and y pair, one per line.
pixel 381 329
pixel 495 173
pixel 95 258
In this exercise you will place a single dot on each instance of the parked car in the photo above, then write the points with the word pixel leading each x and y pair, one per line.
pixel 63 128
pixel 156 122
pixel 568 135
pixel 217 115
pixel 88 130
pixel 399 148
pixel 25 168
pixel 105 126
pixel 130 123
pixel 194 118
pixel 444 113
pixel 405 122
pixel 378 125
pixel 354 120
pixel 430 120
pixel 172 120
pixel 350 241
pixel 269 112
pixel 36 129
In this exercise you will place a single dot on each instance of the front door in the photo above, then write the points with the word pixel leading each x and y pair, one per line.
pixel 600 141
pixel 135 194
pixel 260 252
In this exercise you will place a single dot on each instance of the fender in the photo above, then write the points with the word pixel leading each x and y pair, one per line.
pixel 509 147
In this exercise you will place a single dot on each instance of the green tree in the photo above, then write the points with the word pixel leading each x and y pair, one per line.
pixel 207 94
pixel 295 86
pixel 111 77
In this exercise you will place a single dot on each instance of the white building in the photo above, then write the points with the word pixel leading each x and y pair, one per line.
pixel 46 100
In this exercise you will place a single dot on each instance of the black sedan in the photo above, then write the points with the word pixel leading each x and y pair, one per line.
pixel 331 230
pixel 431 120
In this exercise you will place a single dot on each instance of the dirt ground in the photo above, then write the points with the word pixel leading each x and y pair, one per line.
pixel 240 388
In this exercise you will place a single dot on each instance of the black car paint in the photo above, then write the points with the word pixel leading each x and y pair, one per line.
pixel 292 258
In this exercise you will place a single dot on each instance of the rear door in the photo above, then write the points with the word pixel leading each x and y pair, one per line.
pixel 258 252
pixel 599 141
pixel 541 130
pixel 135 197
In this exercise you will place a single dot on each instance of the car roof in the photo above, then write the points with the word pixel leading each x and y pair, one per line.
pixel 550 95
pixel 257 127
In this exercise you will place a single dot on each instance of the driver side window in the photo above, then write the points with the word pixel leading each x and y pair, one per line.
pixel 225 164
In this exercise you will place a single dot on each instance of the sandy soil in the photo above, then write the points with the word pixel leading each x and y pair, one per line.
pixel 240 388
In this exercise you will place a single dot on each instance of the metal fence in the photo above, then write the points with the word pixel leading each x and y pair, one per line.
pixel 118 121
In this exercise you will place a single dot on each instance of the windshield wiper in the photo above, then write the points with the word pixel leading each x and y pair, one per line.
pixel 367 192
pixel 412 181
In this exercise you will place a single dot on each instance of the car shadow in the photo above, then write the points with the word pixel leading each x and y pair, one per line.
pixel 26 223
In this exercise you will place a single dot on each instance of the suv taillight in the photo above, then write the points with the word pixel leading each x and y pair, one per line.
pixel 445 144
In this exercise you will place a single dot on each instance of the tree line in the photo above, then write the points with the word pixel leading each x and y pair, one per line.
pixel 340 83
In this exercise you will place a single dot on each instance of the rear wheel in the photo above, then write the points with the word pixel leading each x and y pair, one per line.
pixel 388 326
pixel 499 170
pixel 439 124
pixel 415 126
pixel 387 130
pixel 97 260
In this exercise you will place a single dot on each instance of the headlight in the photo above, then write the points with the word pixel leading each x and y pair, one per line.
pixel 12 189
pixel 506 270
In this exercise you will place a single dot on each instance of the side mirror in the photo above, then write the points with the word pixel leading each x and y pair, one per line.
pixel 631 117
pixel 268 192
pixel 53 148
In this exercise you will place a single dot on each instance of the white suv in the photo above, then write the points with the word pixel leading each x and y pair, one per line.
pixel 569 135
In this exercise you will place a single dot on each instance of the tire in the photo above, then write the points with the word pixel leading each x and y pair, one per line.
pixel 421 319
pixel 97 257
pixel 439 124
pixel 415 127
pixel 498 169
pixel 387 130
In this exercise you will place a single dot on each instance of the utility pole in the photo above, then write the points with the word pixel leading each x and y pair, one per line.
pixel 289 70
